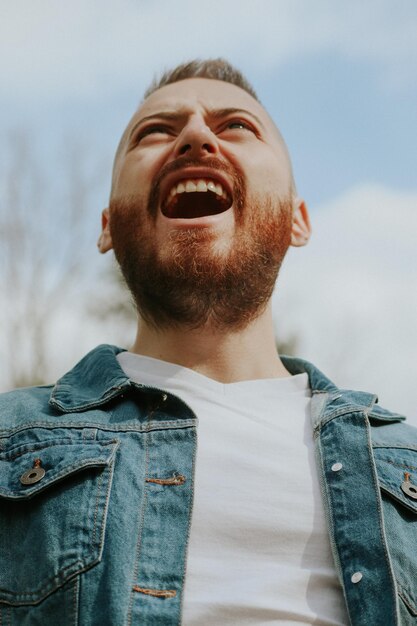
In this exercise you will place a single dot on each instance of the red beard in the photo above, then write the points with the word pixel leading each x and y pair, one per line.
pixel 193 285
pixel 190 282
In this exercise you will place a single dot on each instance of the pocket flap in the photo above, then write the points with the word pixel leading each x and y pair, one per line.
pixel 58 458
pixel 393 465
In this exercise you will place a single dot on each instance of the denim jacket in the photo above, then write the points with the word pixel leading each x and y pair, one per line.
pixel 96 491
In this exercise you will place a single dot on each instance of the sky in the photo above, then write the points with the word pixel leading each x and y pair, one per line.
pixel 340 81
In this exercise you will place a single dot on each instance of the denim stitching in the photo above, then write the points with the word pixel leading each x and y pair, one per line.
pixel 132 427
pixel 28 595
pixel 28 448
pixel 399 465
pixel 100 480
pixel 140 530
pixel 9 456
pixel 190 514
pixel 380 515
pixel 75 602
pixel 404 596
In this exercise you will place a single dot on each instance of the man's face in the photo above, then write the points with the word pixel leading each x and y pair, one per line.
pixel 201 189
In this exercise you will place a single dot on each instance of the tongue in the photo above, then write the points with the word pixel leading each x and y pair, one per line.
pixel 195 204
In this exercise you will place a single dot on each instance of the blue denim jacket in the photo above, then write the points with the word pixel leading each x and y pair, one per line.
pixel 96 491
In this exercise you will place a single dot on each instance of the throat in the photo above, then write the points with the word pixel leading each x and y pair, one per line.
pixel 194 205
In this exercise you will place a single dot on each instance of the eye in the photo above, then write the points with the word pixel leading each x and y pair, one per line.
pixel 238 124
pixel 157 129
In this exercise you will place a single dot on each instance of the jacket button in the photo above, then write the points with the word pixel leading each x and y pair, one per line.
pixel 356 577
pixel 408 487
pixel 33 475
pixel 336 467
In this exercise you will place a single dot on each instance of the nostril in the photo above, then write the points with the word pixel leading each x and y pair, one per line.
pixel 208 147
pixel 185 148
pixel 205 147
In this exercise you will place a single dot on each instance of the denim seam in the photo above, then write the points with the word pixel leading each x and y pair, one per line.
pixel 32 595
pixel 89 434
pixel 395 447
pixel 380 516
pixel 140 531
pixel 183 580
pixel 406 599
pixel 345 410
pixel 43 445
pixel 188 423
pixel 75 600
pixel 399 465
pixel 8 455
pixel 329 512
pixel 100 480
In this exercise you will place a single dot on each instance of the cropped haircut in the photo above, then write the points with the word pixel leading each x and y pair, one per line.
pixel 216 69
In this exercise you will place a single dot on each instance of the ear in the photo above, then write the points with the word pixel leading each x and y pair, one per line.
pixel 104 242
pixel 301 228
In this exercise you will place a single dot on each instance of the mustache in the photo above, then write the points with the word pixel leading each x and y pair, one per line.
pixel 180 163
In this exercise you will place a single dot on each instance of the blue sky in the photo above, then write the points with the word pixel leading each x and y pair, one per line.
pixel 340 80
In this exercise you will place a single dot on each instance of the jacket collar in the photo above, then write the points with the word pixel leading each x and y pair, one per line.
pixel 95 380
pixel 98 378
pixel 329 401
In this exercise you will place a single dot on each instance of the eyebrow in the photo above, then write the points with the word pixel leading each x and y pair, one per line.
pixel 183 113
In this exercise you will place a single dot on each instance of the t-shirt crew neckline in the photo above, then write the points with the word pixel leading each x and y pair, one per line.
pixel 148 370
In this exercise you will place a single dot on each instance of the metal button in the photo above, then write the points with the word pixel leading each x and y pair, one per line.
pixel 356 577
pixel 408 487
pixel 336 467
pixel 33 475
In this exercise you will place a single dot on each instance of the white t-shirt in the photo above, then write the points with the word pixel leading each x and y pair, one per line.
pixel 259 550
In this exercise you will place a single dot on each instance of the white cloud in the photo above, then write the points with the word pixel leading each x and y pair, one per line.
pixel 351 295
pixel 50 48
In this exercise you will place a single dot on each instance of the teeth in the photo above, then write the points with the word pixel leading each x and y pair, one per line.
pixel 201 185
pixel 191 185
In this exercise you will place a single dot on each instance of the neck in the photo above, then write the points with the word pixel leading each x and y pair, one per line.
pixel 224 356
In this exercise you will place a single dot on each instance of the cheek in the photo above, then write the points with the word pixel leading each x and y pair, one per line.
pixel 263 170
pixel 135 175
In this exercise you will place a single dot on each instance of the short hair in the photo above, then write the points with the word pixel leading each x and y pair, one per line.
pixel 216 69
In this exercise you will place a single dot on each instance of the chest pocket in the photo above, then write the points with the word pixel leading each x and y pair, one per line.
pixel 397 475
pixel 53 505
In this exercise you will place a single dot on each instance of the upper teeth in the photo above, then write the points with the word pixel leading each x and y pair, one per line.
pixel 198 184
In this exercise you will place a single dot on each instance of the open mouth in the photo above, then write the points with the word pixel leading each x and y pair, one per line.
pixel 191 198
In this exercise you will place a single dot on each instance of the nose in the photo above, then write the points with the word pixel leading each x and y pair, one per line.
pixel 196 139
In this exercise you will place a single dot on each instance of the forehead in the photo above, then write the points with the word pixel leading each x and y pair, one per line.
pixel 202 94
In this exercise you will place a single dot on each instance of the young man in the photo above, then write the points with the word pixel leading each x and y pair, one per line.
pixel 298 505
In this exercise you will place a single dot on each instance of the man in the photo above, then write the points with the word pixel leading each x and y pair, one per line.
pixel 112 515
